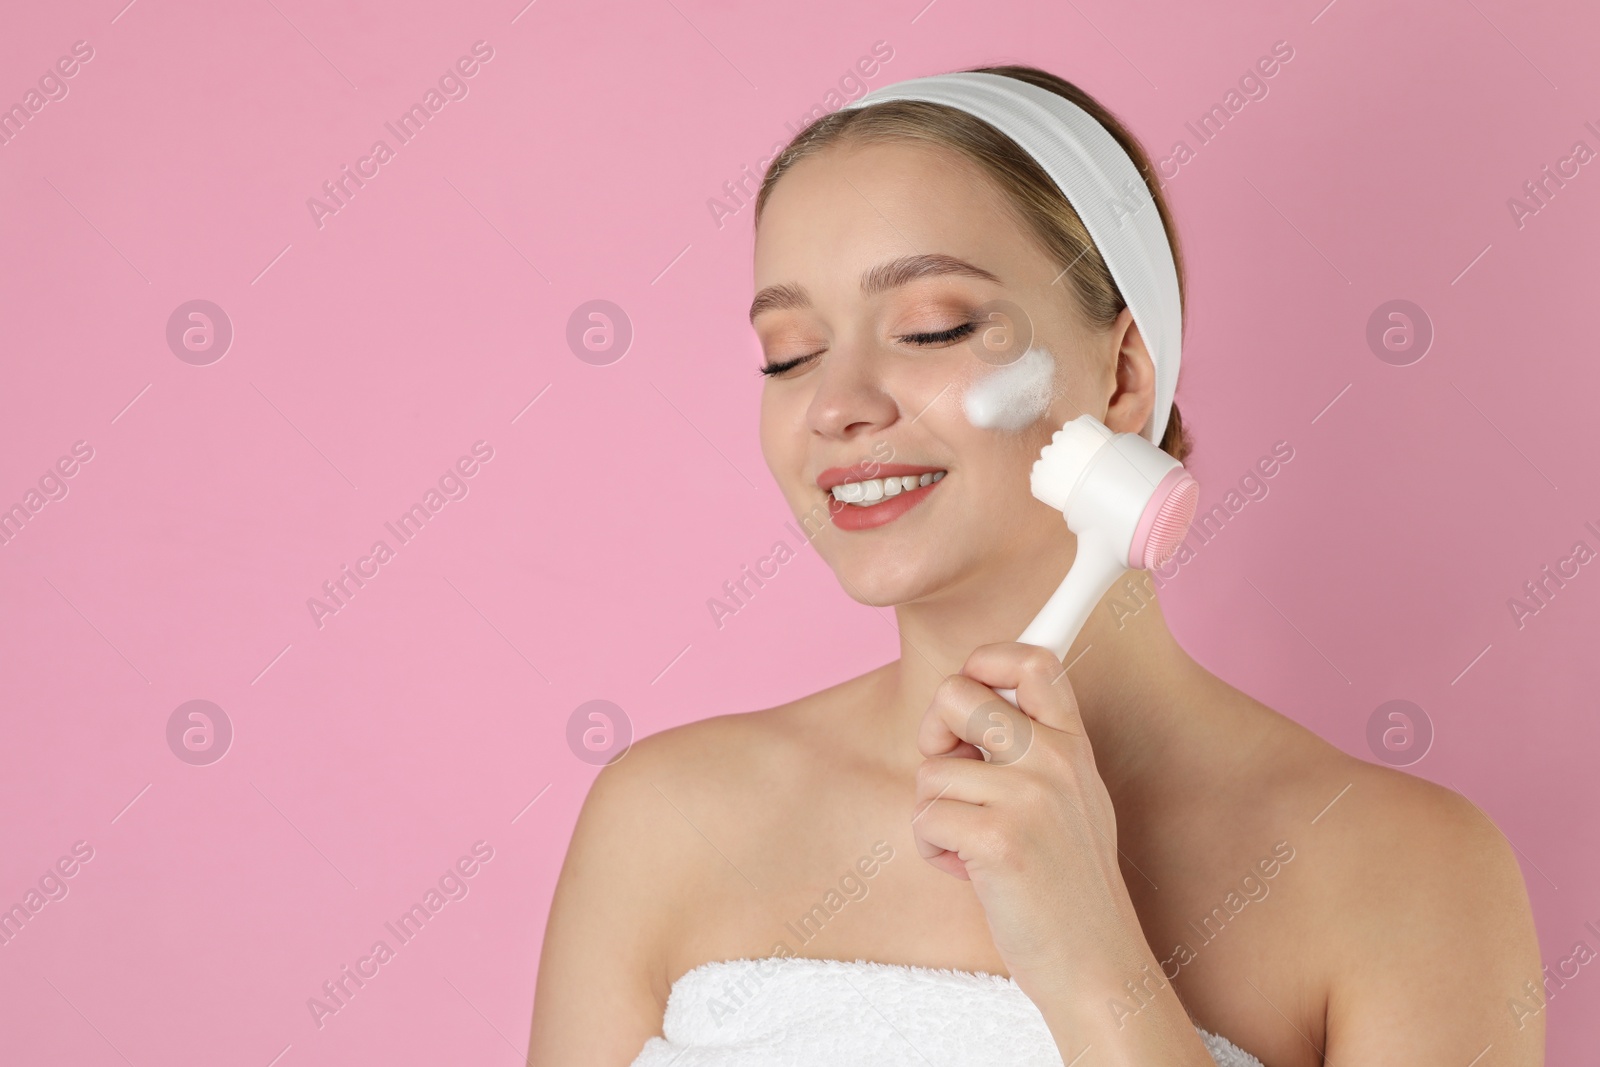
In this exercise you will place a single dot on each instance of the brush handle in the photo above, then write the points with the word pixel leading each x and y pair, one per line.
pixel 1096 566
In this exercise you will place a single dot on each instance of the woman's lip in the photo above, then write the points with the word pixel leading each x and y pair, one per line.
pixel 852 517
pixel 868 470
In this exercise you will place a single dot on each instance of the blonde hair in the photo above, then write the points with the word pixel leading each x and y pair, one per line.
pixel 1030 190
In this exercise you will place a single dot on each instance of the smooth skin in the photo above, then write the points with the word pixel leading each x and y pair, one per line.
pixel 1141 805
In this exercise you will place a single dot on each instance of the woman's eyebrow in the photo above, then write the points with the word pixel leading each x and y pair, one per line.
pixel 884 276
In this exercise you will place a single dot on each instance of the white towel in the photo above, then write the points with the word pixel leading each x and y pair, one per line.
pixel 799 1012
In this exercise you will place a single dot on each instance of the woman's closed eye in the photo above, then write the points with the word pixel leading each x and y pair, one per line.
pixel 772 369
pixel 954 333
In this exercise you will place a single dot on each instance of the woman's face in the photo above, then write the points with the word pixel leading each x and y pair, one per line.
pixel 863 296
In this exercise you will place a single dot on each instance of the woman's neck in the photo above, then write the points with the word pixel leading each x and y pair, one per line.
pixel 1126 670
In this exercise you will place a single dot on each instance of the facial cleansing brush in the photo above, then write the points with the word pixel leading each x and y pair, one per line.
pixel 1130 505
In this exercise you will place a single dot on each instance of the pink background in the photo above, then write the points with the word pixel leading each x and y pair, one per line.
pixel 369 754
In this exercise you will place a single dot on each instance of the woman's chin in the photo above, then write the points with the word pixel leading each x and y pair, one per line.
pixel 875 597
pixel 880 583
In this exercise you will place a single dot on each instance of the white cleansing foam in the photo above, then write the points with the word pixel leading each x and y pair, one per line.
pixel 1015 396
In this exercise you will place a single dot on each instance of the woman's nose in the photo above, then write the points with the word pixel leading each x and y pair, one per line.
pixel 851 398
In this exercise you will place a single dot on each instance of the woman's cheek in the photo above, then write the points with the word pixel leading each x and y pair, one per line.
pixel 784 440
pixel 1012 397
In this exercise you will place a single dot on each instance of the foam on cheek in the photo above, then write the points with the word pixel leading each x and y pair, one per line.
pixel 1015 396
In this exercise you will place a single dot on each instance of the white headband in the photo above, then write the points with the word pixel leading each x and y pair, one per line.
pixel 1101 183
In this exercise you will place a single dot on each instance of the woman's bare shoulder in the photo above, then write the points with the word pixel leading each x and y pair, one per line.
pixel 695 784
pixel 1375 826
pixel 722 754
pixel 717 754
pixel 1372 828
pixel 1409 898
pixel 662 828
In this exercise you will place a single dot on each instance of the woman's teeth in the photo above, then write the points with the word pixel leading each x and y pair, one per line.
pixel 877 490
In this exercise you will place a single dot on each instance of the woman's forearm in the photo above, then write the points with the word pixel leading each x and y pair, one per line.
pixel 1119 1010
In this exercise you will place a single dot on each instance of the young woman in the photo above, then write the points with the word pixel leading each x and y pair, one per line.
pixel 1166 871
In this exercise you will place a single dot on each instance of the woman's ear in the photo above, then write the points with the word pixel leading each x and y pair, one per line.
pixel 1133 394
